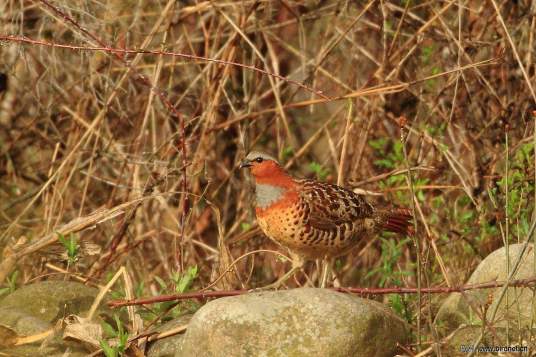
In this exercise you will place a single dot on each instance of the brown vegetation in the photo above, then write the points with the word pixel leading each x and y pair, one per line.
pixel 122 124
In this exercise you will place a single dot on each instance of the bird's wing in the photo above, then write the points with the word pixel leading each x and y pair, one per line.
pixel 330 205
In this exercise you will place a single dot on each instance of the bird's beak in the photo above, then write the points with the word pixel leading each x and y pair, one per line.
pixel 244 163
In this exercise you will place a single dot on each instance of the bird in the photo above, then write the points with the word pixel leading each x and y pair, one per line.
pixel 314 219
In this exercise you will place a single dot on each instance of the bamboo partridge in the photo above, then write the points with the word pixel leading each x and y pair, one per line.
pixel 315 219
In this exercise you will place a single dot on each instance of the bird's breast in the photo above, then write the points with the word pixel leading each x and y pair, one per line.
pixel 281 224
pixel 288 224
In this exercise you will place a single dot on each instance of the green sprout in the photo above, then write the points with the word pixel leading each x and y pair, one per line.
pixel 71 247
pixel 120 334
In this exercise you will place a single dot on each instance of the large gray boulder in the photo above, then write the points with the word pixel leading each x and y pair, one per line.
pixel 298 322
pixel 458 309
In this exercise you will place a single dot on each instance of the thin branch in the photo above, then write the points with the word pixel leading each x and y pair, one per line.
pixel 361 291
pixel 24 39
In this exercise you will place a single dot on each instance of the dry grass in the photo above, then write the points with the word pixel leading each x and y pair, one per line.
pixel 135 150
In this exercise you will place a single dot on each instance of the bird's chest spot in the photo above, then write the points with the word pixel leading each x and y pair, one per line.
pixel 281 224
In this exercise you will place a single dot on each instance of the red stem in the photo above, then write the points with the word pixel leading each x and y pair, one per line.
pixel 361 291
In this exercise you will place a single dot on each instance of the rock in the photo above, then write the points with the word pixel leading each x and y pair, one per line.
pixel 167 347
pixel 463 339
pixel 297 322
pixel 456 309
pixel 51 300
pixel 22 323
pixel 34 350
pixel 34 309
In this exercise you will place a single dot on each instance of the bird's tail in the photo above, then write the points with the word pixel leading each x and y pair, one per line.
pixel 399 221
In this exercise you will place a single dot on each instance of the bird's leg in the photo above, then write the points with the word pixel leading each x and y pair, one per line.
pixel 297 264
pixel 326 271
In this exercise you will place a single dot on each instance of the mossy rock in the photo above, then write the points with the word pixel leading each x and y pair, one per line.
pixel 34 309
pixel 52 300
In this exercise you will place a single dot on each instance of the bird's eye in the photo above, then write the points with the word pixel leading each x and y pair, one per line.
pixel 259 160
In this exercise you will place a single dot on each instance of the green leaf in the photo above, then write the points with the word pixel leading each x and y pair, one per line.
pixel 420 195
pixel 245 226
pixel 117 294
pixel 426 53
pixel 118 324
pixel 320 172
pixel 160 282
pixel 71 246
pixel 187 279
pixel 139 289
pixel 396 180
pixel 108 329
pixel 378 144
pixel 287 153
pixel 108 350
pixel 384 163
pixel 4 291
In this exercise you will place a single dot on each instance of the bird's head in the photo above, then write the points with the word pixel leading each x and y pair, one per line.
pixel 272 182
pixel 265 169
pixel 260 164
